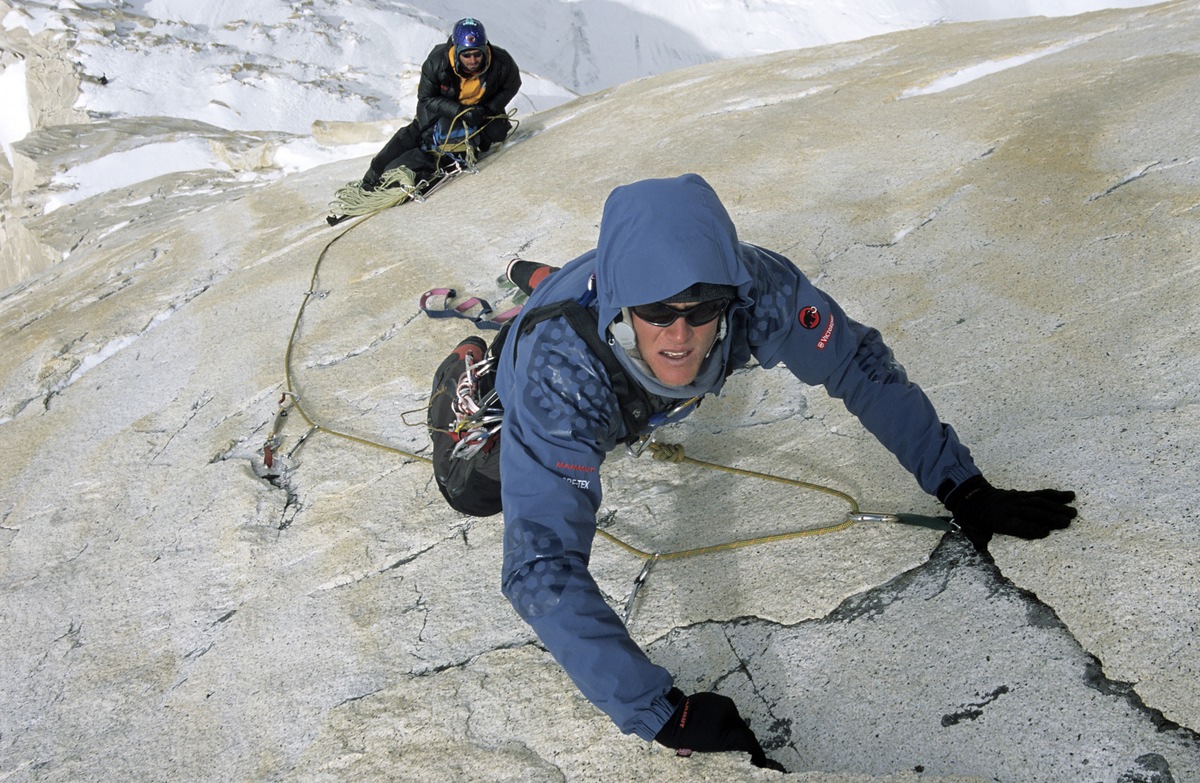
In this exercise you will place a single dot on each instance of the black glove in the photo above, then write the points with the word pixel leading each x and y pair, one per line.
pixel 981 510
pixel 710 723
pixel 475 117
pixel 370 180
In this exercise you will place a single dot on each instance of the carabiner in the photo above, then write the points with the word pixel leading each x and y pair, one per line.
pixel 865 516
pixel 637 585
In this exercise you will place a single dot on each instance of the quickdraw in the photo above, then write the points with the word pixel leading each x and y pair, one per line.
pixel 638 581
pixel 271 446
pixel 274 440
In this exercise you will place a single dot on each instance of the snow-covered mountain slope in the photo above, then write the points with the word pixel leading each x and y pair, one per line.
pixel 262 65
pixel 328 80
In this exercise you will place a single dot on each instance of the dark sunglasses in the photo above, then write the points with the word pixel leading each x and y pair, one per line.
pixel 471 54
pixel 662 315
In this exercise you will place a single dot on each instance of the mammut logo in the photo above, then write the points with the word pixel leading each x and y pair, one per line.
pixel 825 337
pixel 577 468
pixel 809 318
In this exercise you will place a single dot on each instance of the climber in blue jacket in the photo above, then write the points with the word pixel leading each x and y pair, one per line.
pixel 682 303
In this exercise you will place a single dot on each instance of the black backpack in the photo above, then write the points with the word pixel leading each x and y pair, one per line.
pixel 465 413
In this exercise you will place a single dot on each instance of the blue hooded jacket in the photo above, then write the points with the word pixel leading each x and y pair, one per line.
pixel 657 237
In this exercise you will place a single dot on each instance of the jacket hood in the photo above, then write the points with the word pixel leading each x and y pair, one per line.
pixel 659 236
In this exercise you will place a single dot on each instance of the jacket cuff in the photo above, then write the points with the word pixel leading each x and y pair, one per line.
pixel 958 494
pixel 651 720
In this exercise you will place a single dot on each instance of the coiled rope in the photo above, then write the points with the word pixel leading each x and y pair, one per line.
pixel 399 184
pixel 395 187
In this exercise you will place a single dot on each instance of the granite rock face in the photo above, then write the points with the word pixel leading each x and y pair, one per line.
pixel 1014 205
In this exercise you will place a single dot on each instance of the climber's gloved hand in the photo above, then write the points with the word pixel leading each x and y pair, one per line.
pixel 982 510
pixel 371 180
pixel 710 723
pixel 475 117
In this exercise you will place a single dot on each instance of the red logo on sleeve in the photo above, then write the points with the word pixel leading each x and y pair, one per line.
pixel 809 317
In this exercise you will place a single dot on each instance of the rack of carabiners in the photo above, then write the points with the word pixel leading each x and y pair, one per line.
pixel 476 418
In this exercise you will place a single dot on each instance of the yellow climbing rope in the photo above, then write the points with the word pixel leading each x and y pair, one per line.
pixel 290 400
pixel 395 187
pixel 670 452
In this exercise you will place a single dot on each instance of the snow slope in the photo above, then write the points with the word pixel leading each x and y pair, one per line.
pixel 281 65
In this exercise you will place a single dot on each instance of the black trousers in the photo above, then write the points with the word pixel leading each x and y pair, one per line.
pixel 404 148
